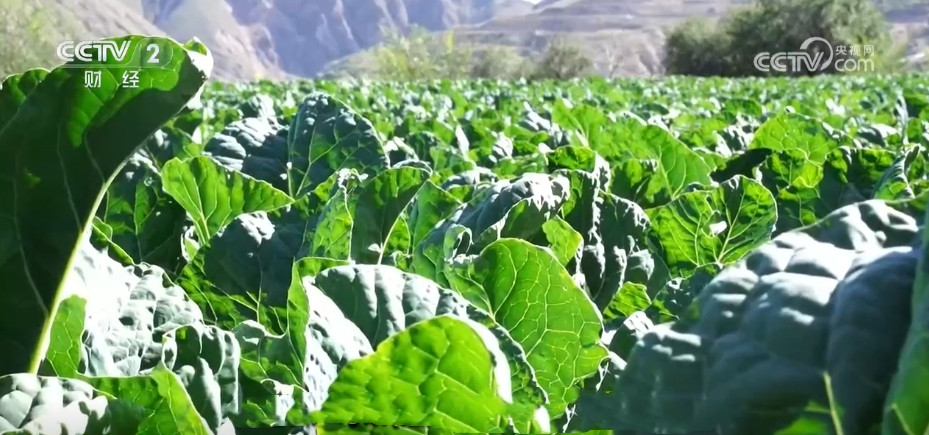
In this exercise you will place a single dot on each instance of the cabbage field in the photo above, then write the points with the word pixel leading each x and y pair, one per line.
pixel 640 256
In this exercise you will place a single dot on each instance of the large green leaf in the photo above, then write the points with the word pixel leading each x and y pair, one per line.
pixel 333 236
pixel 380 300
pixel 302 362
pixel 444 372
pixel 143 220
pixel 584 121
pixel 38 405
pixel 511 208
pixel 15 89
pixel 852 175
pixel 129 321
pixel 245 271
pixel 58 154
pixel 800 146
pixel 804 331
pixel 905 178
pixel 532 296
pixel 256 147
pixel 380 202
pixel 713 227
pixel 796 132
pixel 653 167
pixel 617 251
pixel 161 398
pixel 431 206
pixel 213 195
pixel 126 313
pixel 206 360
pixel 326 136
pixel 383 301
pixel 906 410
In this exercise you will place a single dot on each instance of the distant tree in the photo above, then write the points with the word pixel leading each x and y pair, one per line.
pixel 729 47
pixel 26 36
pixel 497 62
pixel 562 60
pixel 420 55
pixel 611 57
pixel 696 48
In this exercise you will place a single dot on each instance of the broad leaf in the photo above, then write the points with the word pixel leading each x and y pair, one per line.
pixel 532 296
pixel 326 136
pixel 713 227
pixel 15 89
pixel 302 362
pixel 144 221
pixel 213 195
pixel 461 381
pixel 380 202
pixel 654 167
pixel 59 152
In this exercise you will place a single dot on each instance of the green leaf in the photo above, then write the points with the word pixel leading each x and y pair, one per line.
pixel 431 205
pixel 168 407
pixel 303 361
pixel 794 132
pixel 380 300
pixel 713 227
pixel 63 357
pixel 15 89
pixel 630 298
pixel 799 145
pixel 38 405
pixel 326 136
pixel 213 195
pixel 145 222
pixel 245 271
pixel 58 154
pixel 900 180
pixel 127 313
pixel 532 296
pixel 333 237
pixel 378 206
pixel 562 239
pixel 383 301
pixel 794 180
pixel 655 167
pixel 256 147
pixel 511 208
pixel 906 408
pixel 811 318
pixel 585 122
pixel 618 251
pixel 443 372
pixel 206 360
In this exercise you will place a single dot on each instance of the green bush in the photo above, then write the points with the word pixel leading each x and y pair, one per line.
pixel 696 48
pixel 497 62
pixel 419 55
pixel 562 60
pixel 729 47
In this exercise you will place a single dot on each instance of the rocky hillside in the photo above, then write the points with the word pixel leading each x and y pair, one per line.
pixel 280 38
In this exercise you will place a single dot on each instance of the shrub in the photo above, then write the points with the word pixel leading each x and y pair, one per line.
pixel 696 48
pixel 561 60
